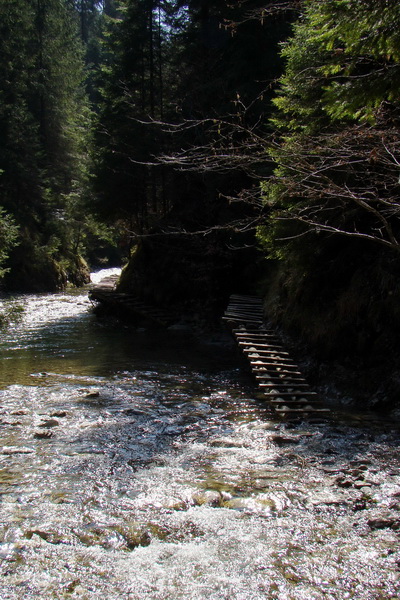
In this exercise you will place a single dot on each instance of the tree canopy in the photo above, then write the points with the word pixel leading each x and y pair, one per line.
pixel 338 114
pixel 183 128
pixel 43 126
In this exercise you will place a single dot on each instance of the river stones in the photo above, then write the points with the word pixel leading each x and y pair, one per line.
pixel 10 552
pixel 48 423
pixel 282 440
pixel 260 425
pixel 384 520
pixel 50 535
pixel 263 504
pixel 16 450
pixel 43 435
pixel 207 497
pixel 177 504
pixel 226 442
pixel 124 536
pixel 93 394
pixel 135 534
pixel 89 393
pixel 326 497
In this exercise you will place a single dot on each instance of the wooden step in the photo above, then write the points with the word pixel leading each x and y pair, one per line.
pixel 259 367
pixel 274 348
pixel 277 394
pixel 283 384
pixel 252 351
pixel 274 364
pixel 305 410
pixel 277 375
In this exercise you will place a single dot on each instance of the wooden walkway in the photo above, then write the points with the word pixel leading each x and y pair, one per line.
pixel 128 306
pixel 277 375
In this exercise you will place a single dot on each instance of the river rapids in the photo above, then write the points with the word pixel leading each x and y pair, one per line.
pixel 138 464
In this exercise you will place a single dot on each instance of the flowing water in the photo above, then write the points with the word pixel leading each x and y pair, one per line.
pixel 139 464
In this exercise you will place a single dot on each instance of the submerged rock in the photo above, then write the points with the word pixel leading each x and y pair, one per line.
pixel 226 442
pixel 41 435
pixel 16 450
pixel 384 520
pixel 49 423
pixel 281 440
pixel 94 394
pixel 207 497
pixel 135 534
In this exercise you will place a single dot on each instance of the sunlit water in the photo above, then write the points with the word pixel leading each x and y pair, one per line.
pixel 138 464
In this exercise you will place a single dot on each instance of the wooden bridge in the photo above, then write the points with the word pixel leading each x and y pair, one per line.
pixel 128 306
pixel 277 375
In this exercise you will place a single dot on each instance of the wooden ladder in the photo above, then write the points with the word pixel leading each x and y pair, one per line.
pixel 277 375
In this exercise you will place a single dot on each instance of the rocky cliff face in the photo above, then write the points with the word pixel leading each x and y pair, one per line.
pixel 343 312
pixel 193 273
pixel 33 270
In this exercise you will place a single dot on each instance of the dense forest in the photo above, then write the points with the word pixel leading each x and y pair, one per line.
pixel 215 146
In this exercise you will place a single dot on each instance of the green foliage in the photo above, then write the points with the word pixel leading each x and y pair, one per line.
pixel 342 63
pixel 44 123
pixel 10 313
pixel 8 238
pixel 338 112
pixel 180 63
pixel 333 201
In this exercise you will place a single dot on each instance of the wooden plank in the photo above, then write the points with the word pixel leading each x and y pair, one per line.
pixel 268 351
pixel 290 402
pixel 241 306
pixel 244 316
pixel 239 320
pixel 242 310
pixel 277 375
pixel 248 348
pixel 258 346
pixel 242 298
pixel 279 383
pixel 290 370
pixel 280 380
pixel 271 361
pixel 241 334
pixel 261 366
pixel 278 394
pixel 287 378
pixel 245 313
pixel 305 410
pixel 287 385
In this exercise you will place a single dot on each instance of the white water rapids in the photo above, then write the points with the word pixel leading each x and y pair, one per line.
pixel 139 465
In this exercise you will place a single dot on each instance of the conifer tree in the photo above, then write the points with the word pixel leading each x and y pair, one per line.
pixel 43 117
pixel 132 88
pixel 338 113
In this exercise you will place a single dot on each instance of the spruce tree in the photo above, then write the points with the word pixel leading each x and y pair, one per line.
pixel 43 122
pixel 338 110
pixel 132 91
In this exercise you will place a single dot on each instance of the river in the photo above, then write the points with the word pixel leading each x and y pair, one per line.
pixel 138 464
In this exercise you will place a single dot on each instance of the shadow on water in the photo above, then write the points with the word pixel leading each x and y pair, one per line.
pixel 86 388
pixel 82 344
